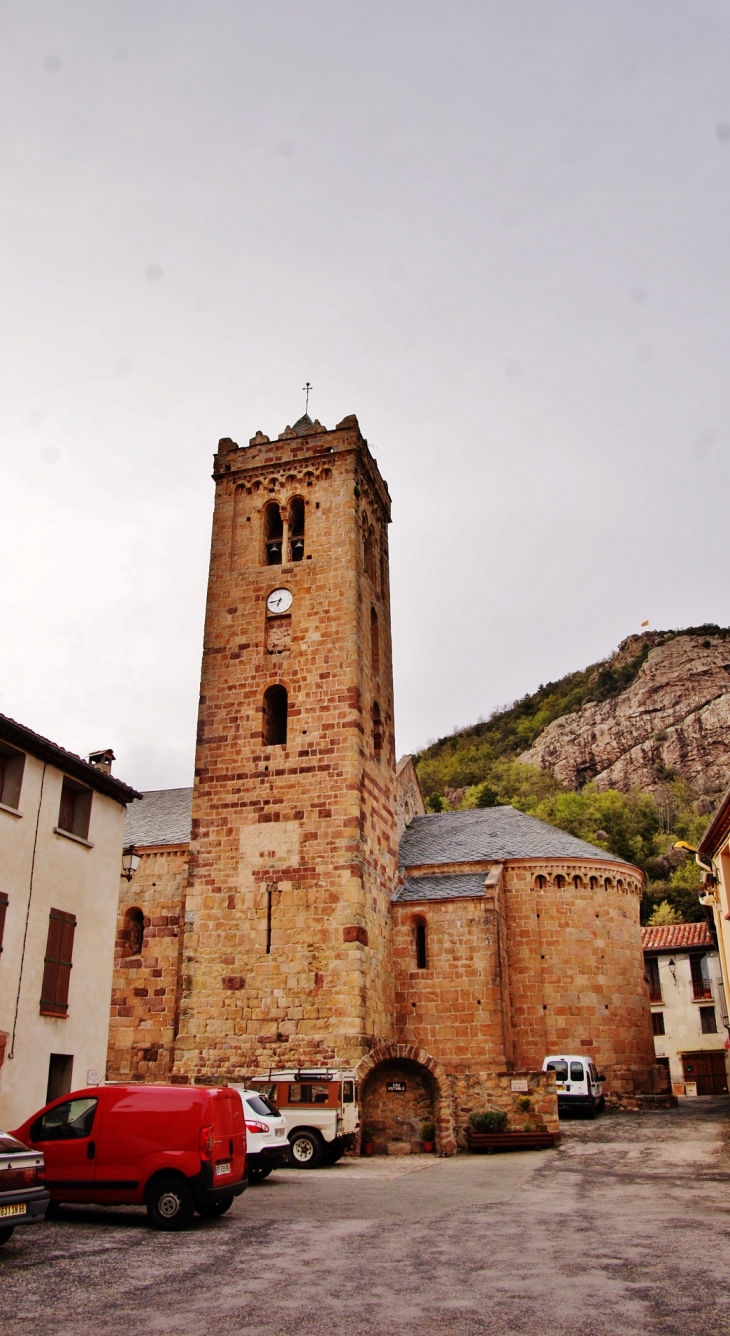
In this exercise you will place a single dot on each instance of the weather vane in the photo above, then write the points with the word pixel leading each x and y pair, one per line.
pixel 306 389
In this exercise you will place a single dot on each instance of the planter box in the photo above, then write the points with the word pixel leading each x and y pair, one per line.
pixel 490 1141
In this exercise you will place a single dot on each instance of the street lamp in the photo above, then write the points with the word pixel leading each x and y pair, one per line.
pixel 130 861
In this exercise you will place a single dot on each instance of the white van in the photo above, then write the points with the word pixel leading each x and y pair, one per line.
pixel 578 1083
pixel 321 1108
pixel 267 1146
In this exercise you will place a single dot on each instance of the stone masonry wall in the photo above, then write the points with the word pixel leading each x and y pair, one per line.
pixel 145 987
pixel 453 1008
pixel 577 970
pixel 293 857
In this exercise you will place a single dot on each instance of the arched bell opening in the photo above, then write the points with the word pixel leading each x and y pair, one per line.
pixel 273 534
pixel 296 528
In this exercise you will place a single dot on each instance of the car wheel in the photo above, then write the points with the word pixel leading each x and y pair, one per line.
pixel 258 1175
pixel 170 1204
pixel 333 1154
pixel 5 1233
pixel 602 1104
pixel 306 1150
pixel 212 1209
pixel 591 1110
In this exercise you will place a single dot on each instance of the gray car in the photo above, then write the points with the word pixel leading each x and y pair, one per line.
pixel 23 1196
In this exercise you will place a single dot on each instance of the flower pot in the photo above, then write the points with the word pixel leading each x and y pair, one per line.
pixel 428 1146
pixel 368 1147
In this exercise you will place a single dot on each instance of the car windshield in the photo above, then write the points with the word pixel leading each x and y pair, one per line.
pixel 560 1068
pixel 261 1105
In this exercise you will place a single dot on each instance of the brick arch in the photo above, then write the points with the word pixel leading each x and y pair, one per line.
pixel 444 1113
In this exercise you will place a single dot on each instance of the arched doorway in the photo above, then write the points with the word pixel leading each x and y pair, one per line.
pixel 403 1087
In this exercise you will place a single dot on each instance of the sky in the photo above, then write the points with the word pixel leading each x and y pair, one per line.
pixel 498 233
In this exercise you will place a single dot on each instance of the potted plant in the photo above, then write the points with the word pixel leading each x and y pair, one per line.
pixel 428 1136
pixel 368 1140
pixel 488 1131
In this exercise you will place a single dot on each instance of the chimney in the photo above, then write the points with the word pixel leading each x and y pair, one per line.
pixel 102 760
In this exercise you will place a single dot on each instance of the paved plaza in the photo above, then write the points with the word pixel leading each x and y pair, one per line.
pixel 624 1229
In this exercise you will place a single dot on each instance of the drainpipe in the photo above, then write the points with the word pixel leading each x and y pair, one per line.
pixel 11 1054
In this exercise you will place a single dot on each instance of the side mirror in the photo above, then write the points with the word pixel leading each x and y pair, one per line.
pixel 34 1131
pixel 601 1077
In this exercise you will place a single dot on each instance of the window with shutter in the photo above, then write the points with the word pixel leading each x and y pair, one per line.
pixel 57 971
pixel 3 911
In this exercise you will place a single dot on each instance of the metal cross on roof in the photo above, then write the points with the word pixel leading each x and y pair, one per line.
pixel 306 389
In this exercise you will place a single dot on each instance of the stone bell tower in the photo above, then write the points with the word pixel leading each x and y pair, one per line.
pixel 293 857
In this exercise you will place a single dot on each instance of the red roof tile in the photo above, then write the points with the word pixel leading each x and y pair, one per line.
pixel 675 936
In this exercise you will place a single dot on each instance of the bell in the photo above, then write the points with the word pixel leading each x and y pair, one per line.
pixel 297 549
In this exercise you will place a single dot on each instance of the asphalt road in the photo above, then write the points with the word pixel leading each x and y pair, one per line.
pixel 625 1229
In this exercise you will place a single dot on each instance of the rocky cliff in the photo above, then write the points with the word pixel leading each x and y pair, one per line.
pixel 672 719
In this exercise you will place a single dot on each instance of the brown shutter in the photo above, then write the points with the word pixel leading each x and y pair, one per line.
pixel 67 814
pixel 3 910
pixel 57 972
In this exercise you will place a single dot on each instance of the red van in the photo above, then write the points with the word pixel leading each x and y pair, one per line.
pixel 174 1149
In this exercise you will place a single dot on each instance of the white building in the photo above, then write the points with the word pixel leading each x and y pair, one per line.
pixel 61 836
pixel 688 1007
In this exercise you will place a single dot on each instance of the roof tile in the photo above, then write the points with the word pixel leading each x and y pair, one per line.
pixel 675 936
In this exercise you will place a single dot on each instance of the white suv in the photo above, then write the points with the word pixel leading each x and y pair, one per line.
pixel 322 1111
pixel 267 1146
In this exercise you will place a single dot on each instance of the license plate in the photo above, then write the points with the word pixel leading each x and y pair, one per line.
pixel 560 1087
pixel 223 1168
pixel 280 1131
pixel 13 1210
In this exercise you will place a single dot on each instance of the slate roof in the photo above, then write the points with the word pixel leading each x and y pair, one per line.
pixel 676 936
pixel 456 887
pixel 162 817
pixel 490 834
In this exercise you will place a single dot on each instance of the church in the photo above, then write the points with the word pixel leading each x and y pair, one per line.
pixel 298 907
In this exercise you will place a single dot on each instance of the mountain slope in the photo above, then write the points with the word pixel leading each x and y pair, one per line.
pixel 657 709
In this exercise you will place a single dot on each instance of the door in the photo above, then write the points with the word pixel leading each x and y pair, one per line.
pixel 64 1134
pixel 578 1081
pixel 708 1070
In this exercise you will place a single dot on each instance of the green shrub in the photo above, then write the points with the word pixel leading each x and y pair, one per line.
pixel 525 1102
pixel 428 1131
pixel 488 1120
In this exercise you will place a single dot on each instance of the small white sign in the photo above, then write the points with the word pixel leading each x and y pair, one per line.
pixel 92 1077
pixel 520 1087
pixel 690 1087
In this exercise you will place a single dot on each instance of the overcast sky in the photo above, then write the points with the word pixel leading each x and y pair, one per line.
pixel 497 232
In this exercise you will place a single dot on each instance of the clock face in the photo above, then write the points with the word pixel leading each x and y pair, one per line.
pixel 279 600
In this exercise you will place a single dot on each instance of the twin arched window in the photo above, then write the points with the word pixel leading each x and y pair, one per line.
pixel 276 541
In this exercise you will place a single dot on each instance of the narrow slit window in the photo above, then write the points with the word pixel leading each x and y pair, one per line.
pixel 377 732
pixel 269 905
pixel 296 529
pixel 369 553
pixel 421 946
pixel 374 642
pixel 134 931
pixel 276 710
pixel 273 534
